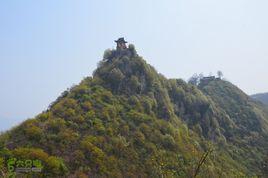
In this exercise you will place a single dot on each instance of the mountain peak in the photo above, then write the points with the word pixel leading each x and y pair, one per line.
pixel 123 70
pixel 122 49
pixel 130 121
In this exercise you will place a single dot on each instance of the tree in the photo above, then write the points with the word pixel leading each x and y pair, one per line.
pixel 200 76
pixel 107 54
pixel 220 74
pixel 56 166
pixel 132 49
pixel 194 80
pixel 33 132
pixel 115 77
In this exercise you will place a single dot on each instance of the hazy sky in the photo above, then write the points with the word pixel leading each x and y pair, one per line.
pixel 46 46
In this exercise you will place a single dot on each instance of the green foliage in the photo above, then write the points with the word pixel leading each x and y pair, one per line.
pixel 130 121
pixel 33 132
pixel 56 166
pixel 107 54
pixel 53 166
pixel 1 163
pixel 132 49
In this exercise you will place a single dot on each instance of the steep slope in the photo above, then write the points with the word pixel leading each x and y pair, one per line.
pixel 248 119
pixel 246 114
pixel 262 97
pixel 130 121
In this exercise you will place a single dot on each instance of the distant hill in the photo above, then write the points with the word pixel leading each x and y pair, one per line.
pixel 127 120
pixel 262 97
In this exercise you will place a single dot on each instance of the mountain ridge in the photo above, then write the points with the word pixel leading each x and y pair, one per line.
pixel 127 120
pixel 262 97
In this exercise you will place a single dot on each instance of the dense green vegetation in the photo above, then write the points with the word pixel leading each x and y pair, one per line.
pixel 246 120
pixel 130 121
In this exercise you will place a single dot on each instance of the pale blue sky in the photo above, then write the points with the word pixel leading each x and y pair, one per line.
pixel 46 46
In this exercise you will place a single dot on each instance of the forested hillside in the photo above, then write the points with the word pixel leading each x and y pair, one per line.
pixel 127 120
pixel 262 97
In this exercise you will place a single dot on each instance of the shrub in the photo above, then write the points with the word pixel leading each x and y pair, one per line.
pixel 107 54
pixel 33 132
pixel 53 166
pixel 56 166
pixel 168 142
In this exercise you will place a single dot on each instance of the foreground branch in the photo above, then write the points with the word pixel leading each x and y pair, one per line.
pixel 201 161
